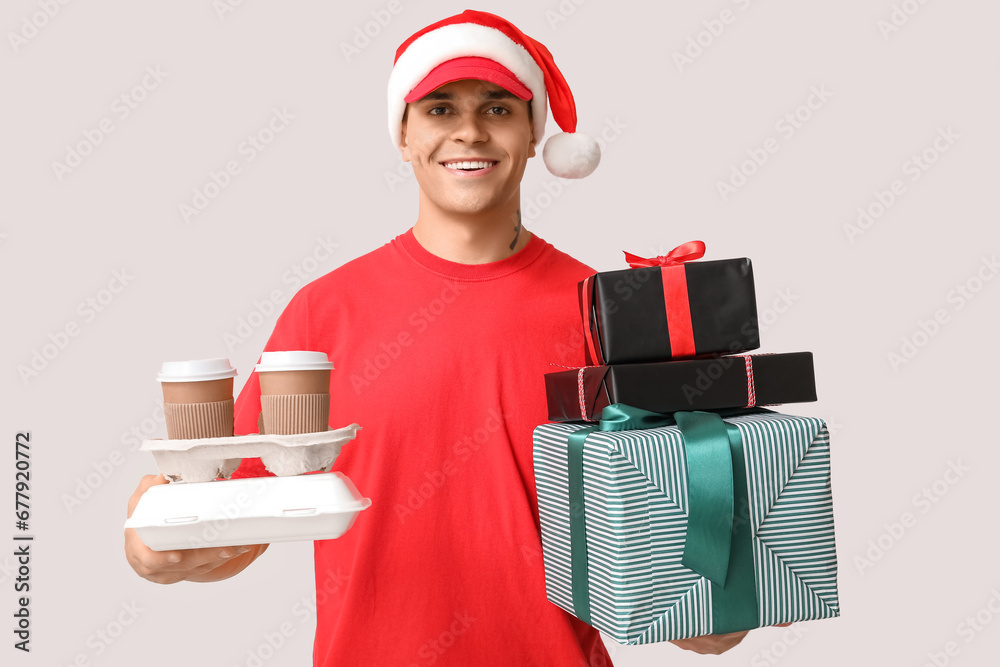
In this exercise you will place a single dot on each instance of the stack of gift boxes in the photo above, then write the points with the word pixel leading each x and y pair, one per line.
pixel 672 504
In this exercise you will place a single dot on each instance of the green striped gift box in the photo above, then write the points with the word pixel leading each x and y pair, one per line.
pixel 635 499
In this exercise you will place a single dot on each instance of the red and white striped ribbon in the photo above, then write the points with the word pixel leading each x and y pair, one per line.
pixel 579 386
pixel 583 398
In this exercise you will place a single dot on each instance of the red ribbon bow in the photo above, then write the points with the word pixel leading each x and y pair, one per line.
pixel 682 253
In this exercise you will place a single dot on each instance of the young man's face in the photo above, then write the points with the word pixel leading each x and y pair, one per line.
pixel 468 121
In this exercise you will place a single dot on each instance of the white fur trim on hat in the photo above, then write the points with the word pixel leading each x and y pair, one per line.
pixel 456 41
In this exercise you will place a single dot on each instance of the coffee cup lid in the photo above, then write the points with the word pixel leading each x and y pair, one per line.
pixel 295 360
pixel 200 370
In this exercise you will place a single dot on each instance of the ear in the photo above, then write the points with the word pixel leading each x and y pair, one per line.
pixel 404 148
pixel 532 142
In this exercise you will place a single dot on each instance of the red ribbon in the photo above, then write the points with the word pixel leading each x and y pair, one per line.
pixel 682 253
pixel 675 299
pixel 588 306
pixel 675 293
pixel 677 306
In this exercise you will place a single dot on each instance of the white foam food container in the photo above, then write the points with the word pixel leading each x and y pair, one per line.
pixel 204 459
pixel 253 510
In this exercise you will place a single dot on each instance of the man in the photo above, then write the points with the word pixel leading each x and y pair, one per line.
pixel 440 339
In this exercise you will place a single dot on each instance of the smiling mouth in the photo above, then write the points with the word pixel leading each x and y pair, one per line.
pixel 474 165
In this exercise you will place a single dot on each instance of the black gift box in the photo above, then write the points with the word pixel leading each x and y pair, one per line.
pixel 696 384
pixel 709 308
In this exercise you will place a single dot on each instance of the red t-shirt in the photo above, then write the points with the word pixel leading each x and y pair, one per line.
pixel 441 364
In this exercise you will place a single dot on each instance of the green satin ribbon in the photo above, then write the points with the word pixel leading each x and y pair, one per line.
pixel 710 494
pixel 579 567
pixel 717 547
pixel 734 604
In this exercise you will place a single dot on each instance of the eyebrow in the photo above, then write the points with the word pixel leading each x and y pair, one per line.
pixel 487 95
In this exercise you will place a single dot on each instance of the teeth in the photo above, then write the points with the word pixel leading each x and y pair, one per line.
pixel 468 165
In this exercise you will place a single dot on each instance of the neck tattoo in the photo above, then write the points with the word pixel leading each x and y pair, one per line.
pixel 517 230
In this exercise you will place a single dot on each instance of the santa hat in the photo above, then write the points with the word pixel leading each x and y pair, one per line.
pixel 479 45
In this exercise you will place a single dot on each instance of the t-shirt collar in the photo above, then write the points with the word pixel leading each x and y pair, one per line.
pixel 458 271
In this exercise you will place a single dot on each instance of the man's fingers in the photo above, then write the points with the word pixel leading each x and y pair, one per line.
pixel 711 644
pixel 177 564
pixel 174 577
pixel 189 560
pixel 715 644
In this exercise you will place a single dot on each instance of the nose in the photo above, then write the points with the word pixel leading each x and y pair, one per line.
pixel 470 128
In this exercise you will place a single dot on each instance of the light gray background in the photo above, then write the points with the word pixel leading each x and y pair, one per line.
pixel 679 131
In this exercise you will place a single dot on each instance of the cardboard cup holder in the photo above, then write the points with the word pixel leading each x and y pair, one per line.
pixel 206 459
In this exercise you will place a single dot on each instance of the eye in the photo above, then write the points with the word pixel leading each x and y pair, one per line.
pixel 499 111
pixel 433 111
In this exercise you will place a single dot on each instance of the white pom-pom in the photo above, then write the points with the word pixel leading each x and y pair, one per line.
pixel 571 155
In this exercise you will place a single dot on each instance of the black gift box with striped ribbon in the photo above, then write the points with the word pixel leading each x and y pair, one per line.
pixel 695 384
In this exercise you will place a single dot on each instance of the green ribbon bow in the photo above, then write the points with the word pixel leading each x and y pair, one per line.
pixel 718 546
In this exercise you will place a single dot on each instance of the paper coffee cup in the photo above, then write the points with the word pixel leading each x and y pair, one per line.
pixel 197 398
pixel 295 391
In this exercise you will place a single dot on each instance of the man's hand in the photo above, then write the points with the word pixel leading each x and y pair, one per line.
pixel 715 644
pixel 168 567
pixel 711 644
